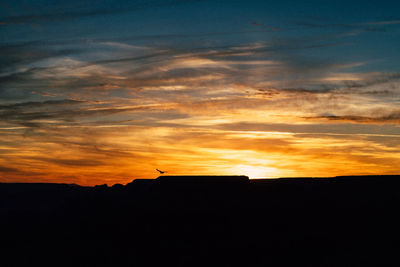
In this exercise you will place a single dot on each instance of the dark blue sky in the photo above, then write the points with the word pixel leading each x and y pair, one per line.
pixel 349 30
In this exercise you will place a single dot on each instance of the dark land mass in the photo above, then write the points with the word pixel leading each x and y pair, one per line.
pixel 203 221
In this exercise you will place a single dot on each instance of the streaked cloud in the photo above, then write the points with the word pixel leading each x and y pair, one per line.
pixel 268 97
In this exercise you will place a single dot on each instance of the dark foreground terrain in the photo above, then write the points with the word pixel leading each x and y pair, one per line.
pixel 203 221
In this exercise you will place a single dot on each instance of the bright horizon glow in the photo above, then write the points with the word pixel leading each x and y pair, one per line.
pixel 254 172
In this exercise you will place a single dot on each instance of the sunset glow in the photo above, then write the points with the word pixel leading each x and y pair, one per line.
pixel 107 97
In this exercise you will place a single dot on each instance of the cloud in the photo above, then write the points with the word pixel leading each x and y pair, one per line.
pixel 4 169
pixel 71 162
pixel 312 128
pixel 111 105
pixel 53 112
pixel 195 81
pixel 188 81
pixel 42 104
pixel 390 118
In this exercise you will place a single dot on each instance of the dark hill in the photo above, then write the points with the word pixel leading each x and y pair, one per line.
pixel 203 221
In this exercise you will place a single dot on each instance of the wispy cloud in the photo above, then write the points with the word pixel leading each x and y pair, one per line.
pixel 389 118
pixel 110 107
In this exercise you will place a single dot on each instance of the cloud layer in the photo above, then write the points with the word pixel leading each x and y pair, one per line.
pixel 106 109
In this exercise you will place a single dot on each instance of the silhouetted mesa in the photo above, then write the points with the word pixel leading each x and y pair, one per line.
pixel 198 183
pixel 198 191
pixel 140 184
pixel 198 180
pixel 204 221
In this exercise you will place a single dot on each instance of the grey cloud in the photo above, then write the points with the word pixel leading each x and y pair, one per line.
pixel 18 72
pixel 29 114
pixel 390 118
pixel 32 104
pixel 297 91
pixel 16 55
pixel 7 169
pixel 374 80
pixel 25 118
pixel 313 128
pixel 372 84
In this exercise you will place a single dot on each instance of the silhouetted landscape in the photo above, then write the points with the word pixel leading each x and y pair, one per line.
pixel 203 221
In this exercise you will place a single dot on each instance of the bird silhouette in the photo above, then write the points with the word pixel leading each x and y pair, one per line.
pixel 161 172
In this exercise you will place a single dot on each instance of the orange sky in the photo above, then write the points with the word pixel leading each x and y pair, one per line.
pixel 108 93
pixel 255 136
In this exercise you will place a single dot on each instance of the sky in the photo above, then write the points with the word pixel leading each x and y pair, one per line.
pixel 106 91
